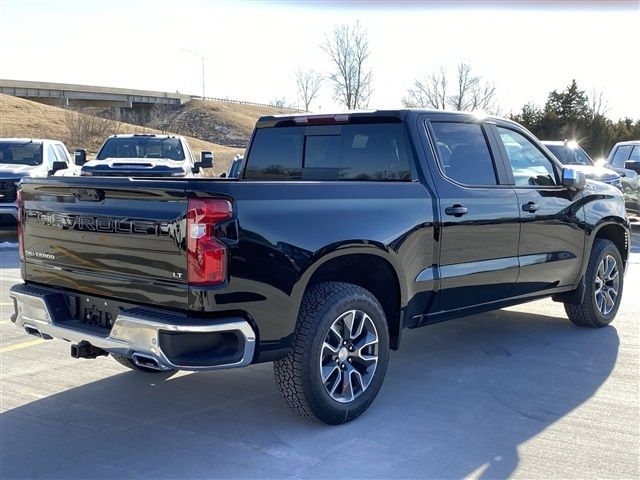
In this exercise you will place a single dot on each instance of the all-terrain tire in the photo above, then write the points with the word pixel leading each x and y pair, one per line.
pixel 588 314
pixel 129 363
pixel 299 376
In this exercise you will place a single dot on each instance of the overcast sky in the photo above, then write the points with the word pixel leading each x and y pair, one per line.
pixel 252 49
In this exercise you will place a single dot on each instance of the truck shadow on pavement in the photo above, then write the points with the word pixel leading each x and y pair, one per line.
pixel 459 398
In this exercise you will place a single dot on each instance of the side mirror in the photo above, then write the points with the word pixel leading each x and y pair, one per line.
pixel 573 179
pixel 632 165
pixel 206 160
pixel 223 175
pixel 80 157
pixel 57 166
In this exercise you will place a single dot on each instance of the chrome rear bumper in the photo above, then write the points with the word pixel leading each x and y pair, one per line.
pixel 137 333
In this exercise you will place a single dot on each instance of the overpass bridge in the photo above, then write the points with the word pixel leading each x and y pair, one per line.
pixel 80 96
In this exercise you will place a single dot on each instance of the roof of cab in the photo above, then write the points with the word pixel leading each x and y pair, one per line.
pixel 29 140
pixel 361 116
pixel 142 135
pixel 628 142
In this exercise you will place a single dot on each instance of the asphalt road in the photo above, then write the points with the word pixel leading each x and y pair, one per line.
pixel 518 392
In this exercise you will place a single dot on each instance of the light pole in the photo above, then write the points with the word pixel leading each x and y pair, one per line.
pixel 201 57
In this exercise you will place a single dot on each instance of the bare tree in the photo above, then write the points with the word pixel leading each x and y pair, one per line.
pixel 86 130
pixel 470 91
pixel 280 102
pixel 465 83
pixel 428 93
pixel 348 49
pixel 599 105
pixel 163 118
pixel 483 98
pixel 309 83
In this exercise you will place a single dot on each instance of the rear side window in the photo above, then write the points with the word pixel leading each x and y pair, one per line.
pixel 620 155
pixel 635 154
pixel 377 152
pixel 276 154
pixel 464 153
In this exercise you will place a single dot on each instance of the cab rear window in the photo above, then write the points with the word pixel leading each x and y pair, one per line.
pixel 373 152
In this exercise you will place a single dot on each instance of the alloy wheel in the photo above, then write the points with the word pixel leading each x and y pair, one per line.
pixel 349 356
pixel 607 285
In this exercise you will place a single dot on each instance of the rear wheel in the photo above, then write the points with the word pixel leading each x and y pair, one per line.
pixel 339 355
pixel 604 281
pixel 129 363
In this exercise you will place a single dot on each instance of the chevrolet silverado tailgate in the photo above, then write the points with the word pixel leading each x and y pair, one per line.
pixel 114 237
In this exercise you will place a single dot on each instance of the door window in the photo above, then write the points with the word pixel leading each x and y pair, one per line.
pixel 62 155
pixel 620 155
pixel 529 165
pixel 635 154
pixel 51 157
pixel 464 153
pixel 189 152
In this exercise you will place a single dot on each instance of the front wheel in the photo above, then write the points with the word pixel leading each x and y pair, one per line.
pixel 604 281
pixel 339 355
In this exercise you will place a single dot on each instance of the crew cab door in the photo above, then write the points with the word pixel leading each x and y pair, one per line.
pixel 479 227
pixel 551 237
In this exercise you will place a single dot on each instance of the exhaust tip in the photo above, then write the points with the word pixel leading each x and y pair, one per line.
pixel 31 330
pixel 146 361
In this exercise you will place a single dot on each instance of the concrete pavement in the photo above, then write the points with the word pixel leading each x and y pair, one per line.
pixel 518 392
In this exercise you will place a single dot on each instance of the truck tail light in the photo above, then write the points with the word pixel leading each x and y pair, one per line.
pixel 206 255
pixel 20 202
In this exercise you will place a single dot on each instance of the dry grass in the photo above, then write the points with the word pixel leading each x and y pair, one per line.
pixel 24 118
pixel 219 122
pixel 244 116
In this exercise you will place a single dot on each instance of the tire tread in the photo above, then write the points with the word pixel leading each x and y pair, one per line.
pixel 584 314
pixel 289 370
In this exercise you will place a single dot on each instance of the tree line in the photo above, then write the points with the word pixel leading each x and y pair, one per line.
pixel 569 114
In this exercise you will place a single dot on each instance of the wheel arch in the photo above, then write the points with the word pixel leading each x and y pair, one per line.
pixel 615 230
pixel 368 266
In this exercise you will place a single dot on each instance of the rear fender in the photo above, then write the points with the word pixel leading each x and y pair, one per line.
pixel 344 251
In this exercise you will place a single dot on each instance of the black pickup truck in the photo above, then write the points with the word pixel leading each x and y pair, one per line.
pixel 342 232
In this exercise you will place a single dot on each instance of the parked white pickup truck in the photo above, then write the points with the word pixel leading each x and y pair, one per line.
pixel 144 155
pixel 28 157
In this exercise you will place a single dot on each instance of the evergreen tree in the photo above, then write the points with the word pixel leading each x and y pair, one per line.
pixel 569 115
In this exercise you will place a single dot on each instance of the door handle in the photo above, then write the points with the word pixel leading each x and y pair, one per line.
pixel 530 207
pixel 456 210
